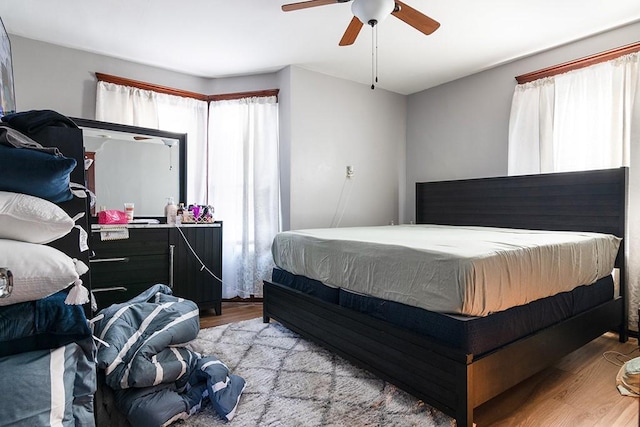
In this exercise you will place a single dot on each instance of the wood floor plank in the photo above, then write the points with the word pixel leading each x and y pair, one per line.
pixel 231 312
pixel 578 391
pixel 623 413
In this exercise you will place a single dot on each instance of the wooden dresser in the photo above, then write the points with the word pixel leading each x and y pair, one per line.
pixel 130 258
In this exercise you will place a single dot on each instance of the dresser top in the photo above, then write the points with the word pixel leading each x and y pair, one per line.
pixel 100 227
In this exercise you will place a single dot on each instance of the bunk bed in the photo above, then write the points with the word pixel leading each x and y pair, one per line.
pixel 455 377
pixel 47 353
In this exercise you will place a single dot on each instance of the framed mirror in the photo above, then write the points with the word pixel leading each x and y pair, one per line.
pixel 130 164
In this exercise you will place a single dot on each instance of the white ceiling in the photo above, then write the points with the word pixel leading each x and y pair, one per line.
pixel 216 38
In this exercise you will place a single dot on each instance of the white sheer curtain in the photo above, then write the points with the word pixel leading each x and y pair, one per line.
pixel 531 128
pixel 244 188
pixel 138 107
pixel 126 105
pixel 584 119
pixel 232 164
pixel 588 119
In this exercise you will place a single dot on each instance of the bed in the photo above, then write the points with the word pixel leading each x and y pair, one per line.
pixel 47 352
pixel 456 377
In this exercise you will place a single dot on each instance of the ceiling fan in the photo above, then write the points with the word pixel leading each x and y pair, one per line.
pixel 372 12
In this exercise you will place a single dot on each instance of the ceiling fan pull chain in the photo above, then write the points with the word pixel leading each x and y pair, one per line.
pixel 373 56
pixel 376 35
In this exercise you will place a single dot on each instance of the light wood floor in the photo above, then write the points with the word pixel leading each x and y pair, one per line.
pixel 578 391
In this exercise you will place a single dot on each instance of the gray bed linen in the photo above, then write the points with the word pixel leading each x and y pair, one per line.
pixel 49 387
pixel 474 271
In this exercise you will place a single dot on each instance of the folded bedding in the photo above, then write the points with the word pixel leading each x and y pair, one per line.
pixel 464 270
pixel 42 324
pixel 157 380
pixel 49 387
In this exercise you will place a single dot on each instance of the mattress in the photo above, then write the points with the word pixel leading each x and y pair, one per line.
pixel 473 271
pixel 473 335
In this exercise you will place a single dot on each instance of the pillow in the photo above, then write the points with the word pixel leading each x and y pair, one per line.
pixel 38 270
pixel 32 219
pixel 36 173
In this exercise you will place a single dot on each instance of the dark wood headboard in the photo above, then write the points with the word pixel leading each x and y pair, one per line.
pixel 571 201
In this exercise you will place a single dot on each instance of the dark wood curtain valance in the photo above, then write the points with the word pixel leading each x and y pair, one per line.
pixel 579 63
pixel 178 92
pixel 240 95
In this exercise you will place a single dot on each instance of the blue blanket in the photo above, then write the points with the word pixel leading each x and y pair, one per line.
pixel 41 325
pixel 156 380
pixel 49 387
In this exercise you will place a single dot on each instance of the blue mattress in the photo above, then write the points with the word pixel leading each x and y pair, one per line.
pixel 474 335
pixel 306 285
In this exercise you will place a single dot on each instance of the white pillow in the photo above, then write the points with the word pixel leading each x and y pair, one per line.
pixel 38 270
pixel 31 219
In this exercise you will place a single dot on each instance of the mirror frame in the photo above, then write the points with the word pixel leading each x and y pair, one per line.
pixel 182 146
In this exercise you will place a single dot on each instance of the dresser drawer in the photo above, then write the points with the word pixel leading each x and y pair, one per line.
pixel 145 269
pixel 140 241
pixel 122 269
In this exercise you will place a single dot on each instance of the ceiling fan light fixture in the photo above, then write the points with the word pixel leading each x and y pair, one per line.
pixel 372 12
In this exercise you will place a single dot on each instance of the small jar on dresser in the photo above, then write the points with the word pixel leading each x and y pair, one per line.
pixel 130 258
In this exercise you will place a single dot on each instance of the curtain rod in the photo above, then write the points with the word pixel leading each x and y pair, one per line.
pixel 579 63
pixel 187 94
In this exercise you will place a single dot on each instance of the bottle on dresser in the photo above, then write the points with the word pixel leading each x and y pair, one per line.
pixel 187 215
pixel 170 211
pixel 180 214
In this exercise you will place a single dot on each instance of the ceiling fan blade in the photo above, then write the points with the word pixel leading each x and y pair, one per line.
pixel 416 19
pixel 306 4
pixel 351 33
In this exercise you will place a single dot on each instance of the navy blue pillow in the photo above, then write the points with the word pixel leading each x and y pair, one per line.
pixel 35 173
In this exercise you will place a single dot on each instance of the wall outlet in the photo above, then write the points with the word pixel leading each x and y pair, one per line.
pixel 349 171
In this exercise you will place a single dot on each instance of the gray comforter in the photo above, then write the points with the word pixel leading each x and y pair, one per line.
pixel 156 380
pixel 52 387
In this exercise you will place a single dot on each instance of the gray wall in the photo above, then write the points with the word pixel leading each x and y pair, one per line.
pixel 460 129
pixel 284 111
pixel 244 83
pixel 456 130
pixel 61 79
pixel 335 123
pixel 325 124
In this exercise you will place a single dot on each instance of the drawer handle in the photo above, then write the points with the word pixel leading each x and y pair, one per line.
pixel 171 254
pixel 109 260
pixel 113 288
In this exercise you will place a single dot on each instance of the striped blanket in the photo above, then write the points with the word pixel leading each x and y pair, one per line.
pixel 156 380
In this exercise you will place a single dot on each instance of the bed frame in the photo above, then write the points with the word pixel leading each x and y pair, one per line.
pixel 446 378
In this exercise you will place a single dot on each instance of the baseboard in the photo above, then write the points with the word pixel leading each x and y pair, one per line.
pixel 252 298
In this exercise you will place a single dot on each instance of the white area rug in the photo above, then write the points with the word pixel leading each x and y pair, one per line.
pixel 293 382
